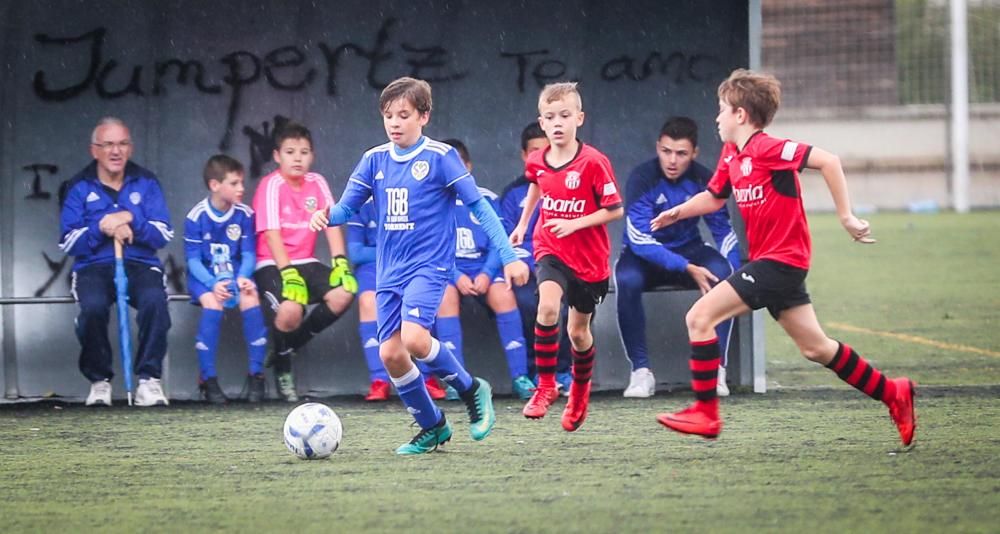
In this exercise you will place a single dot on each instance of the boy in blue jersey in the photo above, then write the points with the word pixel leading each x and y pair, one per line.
pixel 477 265
pixel 219 246
pixel 113 199
pixel 361 240
pixel 675 255
pixel 511 203
pixel 414 181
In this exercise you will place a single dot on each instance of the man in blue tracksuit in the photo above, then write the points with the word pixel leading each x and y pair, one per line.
pixel 112 200
pixel 675 255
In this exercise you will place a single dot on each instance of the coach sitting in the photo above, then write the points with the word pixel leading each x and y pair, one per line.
pixel 113 199
pixel 675 255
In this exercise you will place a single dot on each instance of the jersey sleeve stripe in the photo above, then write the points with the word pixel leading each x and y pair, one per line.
pixel 359 182
pixel 637 237
pixel 273 211
pixel 728 243
pixel 805 158
pixel 196 211
pixel 466 175
pixel 163 228
pixel 71 239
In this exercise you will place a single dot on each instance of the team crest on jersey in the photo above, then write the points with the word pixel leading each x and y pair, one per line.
pixel 420 169
pixel 310 203
pixel 746 167
pixel 134 197
pixel 233 232
pixel 572 180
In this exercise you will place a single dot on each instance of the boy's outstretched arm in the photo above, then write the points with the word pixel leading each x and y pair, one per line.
pixel 696 206
pixel 355 195
pixel 833 173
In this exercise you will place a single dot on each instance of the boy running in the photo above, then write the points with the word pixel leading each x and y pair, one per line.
pixel 579 197
pixel 414 181
pixel 762 172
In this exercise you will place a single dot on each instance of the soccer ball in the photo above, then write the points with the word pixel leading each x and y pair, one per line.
pixel 312 431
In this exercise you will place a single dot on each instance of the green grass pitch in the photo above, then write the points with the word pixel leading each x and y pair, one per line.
pixel 811 454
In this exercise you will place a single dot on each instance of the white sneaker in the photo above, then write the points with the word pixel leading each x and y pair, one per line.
pixel 150 393
pixel 100 394
pixel 641 384
pixel 721 389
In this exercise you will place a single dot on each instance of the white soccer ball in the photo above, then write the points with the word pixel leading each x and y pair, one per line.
pixel 312 431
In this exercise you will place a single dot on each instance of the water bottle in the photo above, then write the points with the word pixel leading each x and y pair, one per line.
pixel 223 270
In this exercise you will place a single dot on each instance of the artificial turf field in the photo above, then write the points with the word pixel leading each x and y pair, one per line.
pixel 811 454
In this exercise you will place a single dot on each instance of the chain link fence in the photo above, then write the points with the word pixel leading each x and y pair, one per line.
pixel 862 53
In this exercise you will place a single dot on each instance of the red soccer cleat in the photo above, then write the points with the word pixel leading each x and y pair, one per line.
pixel 701 419
pixel 576 407
pixel 434 389
pixel 540 401
pixel 378 391
pixel 902 409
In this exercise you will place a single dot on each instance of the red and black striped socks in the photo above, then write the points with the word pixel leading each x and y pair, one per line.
pixel 704 364
pixel 546 348
pixel 856 371
pixel 583 365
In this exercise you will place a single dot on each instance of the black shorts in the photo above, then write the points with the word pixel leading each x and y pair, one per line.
pixel 268 278
pixel 580 295
pixel 770 284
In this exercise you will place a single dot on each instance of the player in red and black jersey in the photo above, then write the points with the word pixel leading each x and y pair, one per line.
pixel 762 173
pixel 579 196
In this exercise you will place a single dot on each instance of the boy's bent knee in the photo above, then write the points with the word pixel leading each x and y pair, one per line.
pixel 338 300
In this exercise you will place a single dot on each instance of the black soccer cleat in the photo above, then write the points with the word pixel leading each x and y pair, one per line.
pixel 211 391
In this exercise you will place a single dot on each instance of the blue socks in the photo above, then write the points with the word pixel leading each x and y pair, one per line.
pixel 418 402
pixel 255 333
pixel 512 338
pixel 207 341
pixel 369 341
pixel 449 331
pixel 443 363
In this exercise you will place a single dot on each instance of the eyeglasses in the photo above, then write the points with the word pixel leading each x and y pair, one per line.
pixel 108 146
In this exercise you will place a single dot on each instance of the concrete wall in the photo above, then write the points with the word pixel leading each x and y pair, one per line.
pixel 193 78
pixel 897 156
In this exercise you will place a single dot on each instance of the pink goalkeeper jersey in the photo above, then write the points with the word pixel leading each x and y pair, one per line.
pixel 280 207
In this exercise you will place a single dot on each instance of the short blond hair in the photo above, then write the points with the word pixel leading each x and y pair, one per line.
pixel 559 91
pixel 756 92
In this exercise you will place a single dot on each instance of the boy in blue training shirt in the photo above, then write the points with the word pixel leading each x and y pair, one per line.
pixel 414 181
pixel 219 246
pixel 477 264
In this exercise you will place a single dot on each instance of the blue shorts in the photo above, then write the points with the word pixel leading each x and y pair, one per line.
pixel 416 300
pixel 366 277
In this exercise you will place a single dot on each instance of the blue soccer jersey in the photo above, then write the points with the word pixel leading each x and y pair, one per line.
pixel 362 230
pixel 219 241
pixel 414 196
pixel 474 253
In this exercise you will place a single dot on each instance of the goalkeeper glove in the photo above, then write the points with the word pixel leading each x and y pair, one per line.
pixel 341 275
pixel 293 286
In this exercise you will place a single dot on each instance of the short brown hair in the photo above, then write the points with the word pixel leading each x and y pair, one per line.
pixel 757 93
pixel 557 91
pixel 292 130
pixel 417 92
pixel 218 166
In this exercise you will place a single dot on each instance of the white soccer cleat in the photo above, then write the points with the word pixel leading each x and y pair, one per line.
pixel 100 394
pixel 721 389
pixel 641 385
pixel 150 393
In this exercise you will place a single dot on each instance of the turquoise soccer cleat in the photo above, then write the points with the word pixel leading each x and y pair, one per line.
pixel 482 416
pixel 427 440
